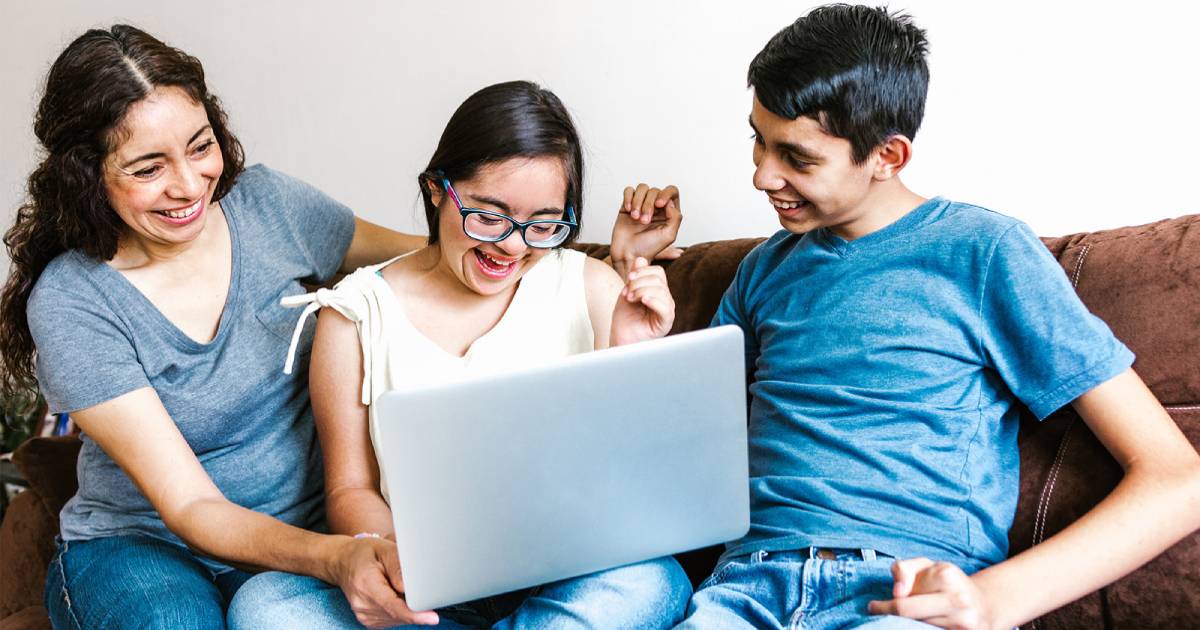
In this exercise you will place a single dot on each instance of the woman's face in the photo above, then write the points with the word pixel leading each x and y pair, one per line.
pixel 522 188
pixel 161 175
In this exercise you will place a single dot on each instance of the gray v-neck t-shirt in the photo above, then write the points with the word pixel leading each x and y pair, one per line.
pixel 248 423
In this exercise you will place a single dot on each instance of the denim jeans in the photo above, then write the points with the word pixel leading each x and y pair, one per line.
pixel 135 582
pixel 796 590
pixel 649 595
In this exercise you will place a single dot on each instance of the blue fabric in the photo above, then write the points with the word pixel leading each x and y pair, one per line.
pixel 249 425
pixel 886 375
pixel 135 582
pixel 766 590
pixel 646 595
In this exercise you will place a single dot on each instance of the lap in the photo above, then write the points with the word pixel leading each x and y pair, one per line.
pixel 644 595
pixel 775 591
pixel 134 581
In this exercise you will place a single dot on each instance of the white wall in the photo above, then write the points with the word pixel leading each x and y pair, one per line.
pixel 1068 118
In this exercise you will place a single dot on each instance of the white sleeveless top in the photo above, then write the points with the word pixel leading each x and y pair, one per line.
pixel 547 319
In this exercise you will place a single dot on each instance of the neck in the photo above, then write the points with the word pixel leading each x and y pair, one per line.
pixel 135 251
pixel 884 204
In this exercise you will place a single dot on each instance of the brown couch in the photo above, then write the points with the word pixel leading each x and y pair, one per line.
pixel 1144 281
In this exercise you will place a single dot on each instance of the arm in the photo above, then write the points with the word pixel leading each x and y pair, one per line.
pixel 1156 504
pixel 353 503
pixel 191 506
pixel 647 224
pixel 641 309
pixel 374 243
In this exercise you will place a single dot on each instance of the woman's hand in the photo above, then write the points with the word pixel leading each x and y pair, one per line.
pixel 646 226
pixel 368 572
pixel 937 593
pixel 645 308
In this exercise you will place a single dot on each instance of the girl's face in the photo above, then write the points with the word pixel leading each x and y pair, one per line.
pixel 161 175
pixel 522 188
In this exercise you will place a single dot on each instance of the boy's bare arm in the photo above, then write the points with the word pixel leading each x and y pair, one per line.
pixel 1156 504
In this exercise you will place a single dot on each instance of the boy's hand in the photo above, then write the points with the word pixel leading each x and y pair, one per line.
pixel 938 593
pixel 645 308
pixel 646 226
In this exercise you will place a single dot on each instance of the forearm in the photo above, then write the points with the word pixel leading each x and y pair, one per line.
pixel 375 243
pixel 233 534
pixel 355 510
pixel 1146 513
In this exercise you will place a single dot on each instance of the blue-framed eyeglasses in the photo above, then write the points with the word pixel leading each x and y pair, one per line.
pixel 492 227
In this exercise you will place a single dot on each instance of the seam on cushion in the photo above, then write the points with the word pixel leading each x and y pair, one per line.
pixel 1039 528
pixel 1079 265
pixel 1182 407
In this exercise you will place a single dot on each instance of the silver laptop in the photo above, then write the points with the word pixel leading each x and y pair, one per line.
pixel 587 463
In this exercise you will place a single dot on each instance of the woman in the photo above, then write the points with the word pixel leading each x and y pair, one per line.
pixel 147 269
pixel 493 291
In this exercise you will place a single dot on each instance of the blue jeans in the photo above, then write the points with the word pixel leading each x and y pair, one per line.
pixel 651 594
pixel 796 590
pixel 135 582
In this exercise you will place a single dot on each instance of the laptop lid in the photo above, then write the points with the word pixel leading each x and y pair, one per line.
pixel 590 462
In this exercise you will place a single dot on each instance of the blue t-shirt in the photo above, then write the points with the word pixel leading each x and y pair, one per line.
pixel 250 425
pixel 886 375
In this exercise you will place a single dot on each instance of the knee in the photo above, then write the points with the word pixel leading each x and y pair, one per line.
pixel 276 600
pixel 654 593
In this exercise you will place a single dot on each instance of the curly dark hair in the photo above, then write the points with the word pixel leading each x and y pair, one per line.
pixel 88 91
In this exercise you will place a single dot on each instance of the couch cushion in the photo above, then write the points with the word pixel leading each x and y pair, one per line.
pixel 1145 282
pixel 49 465
pixel 26 546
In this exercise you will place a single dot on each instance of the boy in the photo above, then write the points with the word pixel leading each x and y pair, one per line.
pixel 890 341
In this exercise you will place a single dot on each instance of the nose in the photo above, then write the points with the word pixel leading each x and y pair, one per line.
pixel 766 175
pixel 513 244
pixel 187 182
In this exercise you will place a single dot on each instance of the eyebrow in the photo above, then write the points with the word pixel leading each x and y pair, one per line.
pixel 492 201
pixel 151 156
pixel 790 147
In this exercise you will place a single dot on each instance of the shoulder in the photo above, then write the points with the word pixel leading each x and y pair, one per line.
pixel 979 225
pixel 598 275
pixel 768 254
pixel 71 277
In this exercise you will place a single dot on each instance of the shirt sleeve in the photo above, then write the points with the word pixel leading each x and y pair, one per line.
pixel 84 355
pixel 321 228
pixel 1037 334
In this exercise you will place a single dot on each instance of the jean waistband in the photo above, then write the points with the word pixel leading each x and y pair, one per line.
pixel 821 553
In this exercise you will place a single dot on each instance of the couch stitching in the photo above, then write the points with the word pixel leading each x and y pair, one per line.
pixel 1079 265
pixel 1039 528
pixel 1182 407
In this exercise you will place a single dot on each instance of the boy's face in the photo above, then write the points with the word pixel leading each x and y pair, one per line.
pixel 809 175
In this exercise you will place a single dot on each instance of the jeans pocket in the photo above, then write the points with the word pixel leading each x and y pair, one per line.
pixel 722 571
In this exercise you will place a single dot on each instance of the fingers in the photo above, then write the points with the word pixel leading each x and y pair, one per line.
pixel 374 588
pixel 643 203
pixel 670 253
pixel 915 607
pixel 905 573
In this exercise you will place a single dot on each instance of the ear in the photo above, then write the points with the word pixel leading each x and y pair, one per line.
pixel 891 157
pixel 435 191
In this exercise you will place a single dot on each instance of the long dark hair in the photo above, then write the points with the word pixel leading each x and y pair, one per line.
pixel 88 91
pixel 502 121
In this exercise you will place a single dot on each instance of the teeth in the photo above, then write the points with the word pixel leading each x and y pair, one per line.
pixel 498 263
pixel 182 214
pixel 786 205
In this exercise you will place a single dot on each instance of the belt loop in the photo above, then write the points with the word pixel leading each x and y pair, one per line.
pixel 868 554
pixel 812 553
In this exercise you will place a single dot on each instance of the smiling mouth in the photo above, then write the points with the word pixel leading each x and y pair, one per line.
pixel 182 213
pixel 494 267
